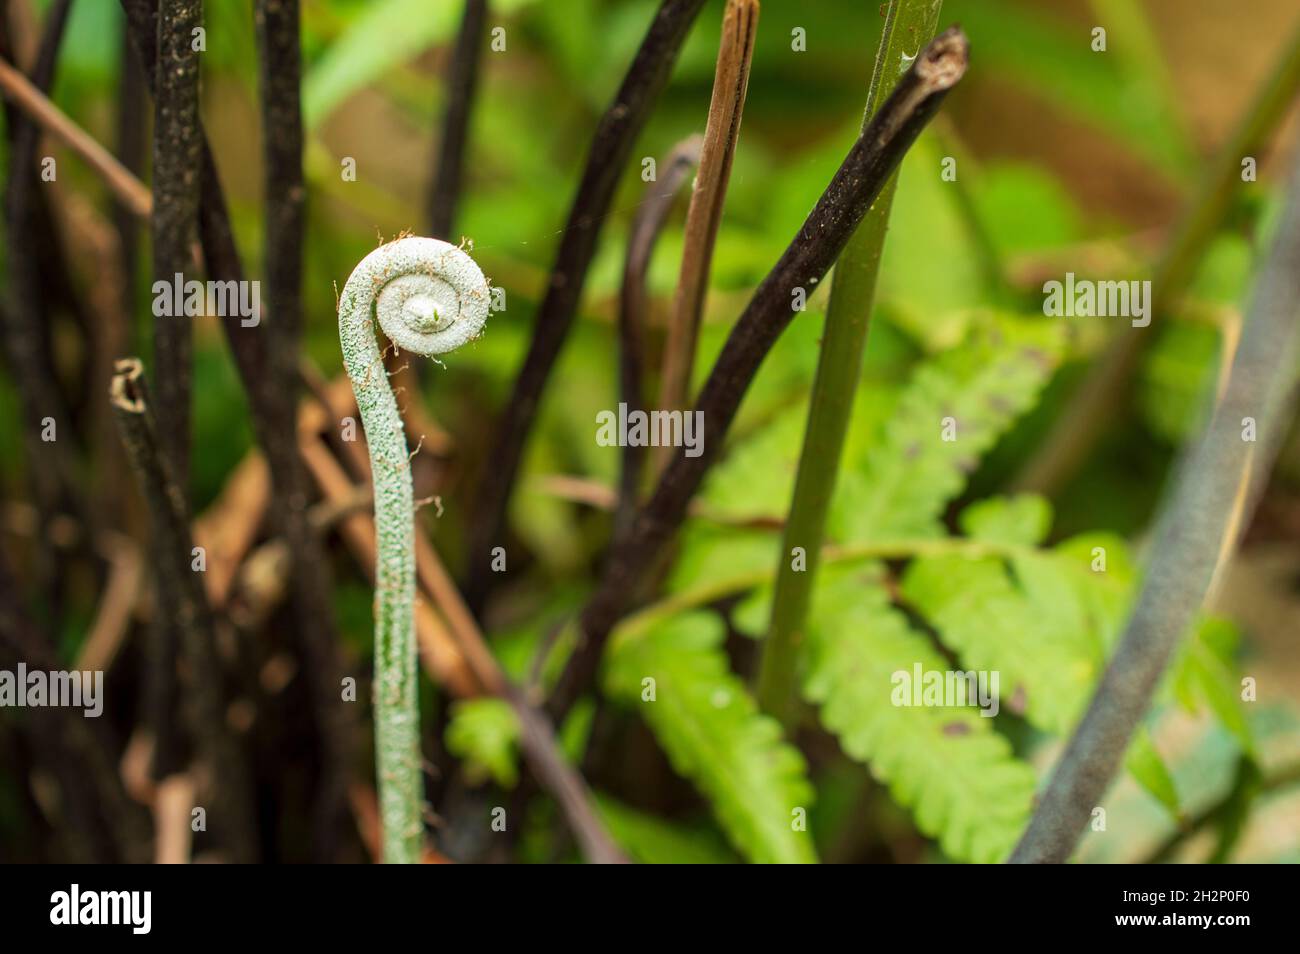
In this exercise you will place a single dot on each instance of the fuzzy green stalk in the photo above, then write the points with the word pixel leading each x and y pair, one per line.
pixel 429 298
pixel 909 26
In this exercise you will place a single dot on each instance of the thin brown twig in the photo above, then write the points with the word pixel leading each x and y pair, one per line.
pixel 634 308
pixel 721 133
pixel 173 802
pixel 130 190
pixel 116 605
pixel 228 528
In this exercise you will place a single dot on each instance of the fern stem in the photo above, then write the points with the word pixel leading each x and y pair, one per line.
pixel 183 604
pixel 174 218
pixel 909 26
pixel 280 65
pixel 837 214
pixel 429 297
pixel 1207 507
pixel 25 319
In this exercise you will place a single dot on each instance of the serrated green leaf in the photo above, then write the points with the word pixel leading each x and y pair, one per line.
pixel 911 472
pixel 757 476
pixel 1031 629
pixel 714 735
pixel 711 553
pixel 956 774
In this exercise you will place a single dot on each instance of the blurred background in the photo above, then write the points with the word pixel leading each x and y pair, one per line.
pixel 1068 159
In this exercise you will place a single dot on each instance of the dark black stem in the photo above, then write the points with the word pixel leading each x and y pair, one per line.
pixel 606 159
pixel 130 152
pixel 26 318
pixel 183 602
pixel 282 135
pixel 462 79
pixel 864 172
pixel 105 826
pixel 176 148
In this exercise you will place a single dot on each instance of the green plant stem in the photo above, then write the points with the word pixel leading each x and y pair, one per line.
pixel 909 26
pixel 429 297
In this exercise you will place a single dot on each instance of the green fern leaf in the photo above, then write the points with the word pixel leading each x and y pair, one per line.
pixel 1044 652
pixel 714 735
pixel 948 766
pixel 918 464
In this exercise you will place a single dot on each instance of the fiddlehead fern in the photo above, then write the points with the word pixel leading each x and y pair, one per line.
pixel 429 297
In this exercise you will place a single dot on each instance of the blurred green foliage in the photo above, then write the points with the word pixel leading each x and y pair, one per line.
pixel 957 332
